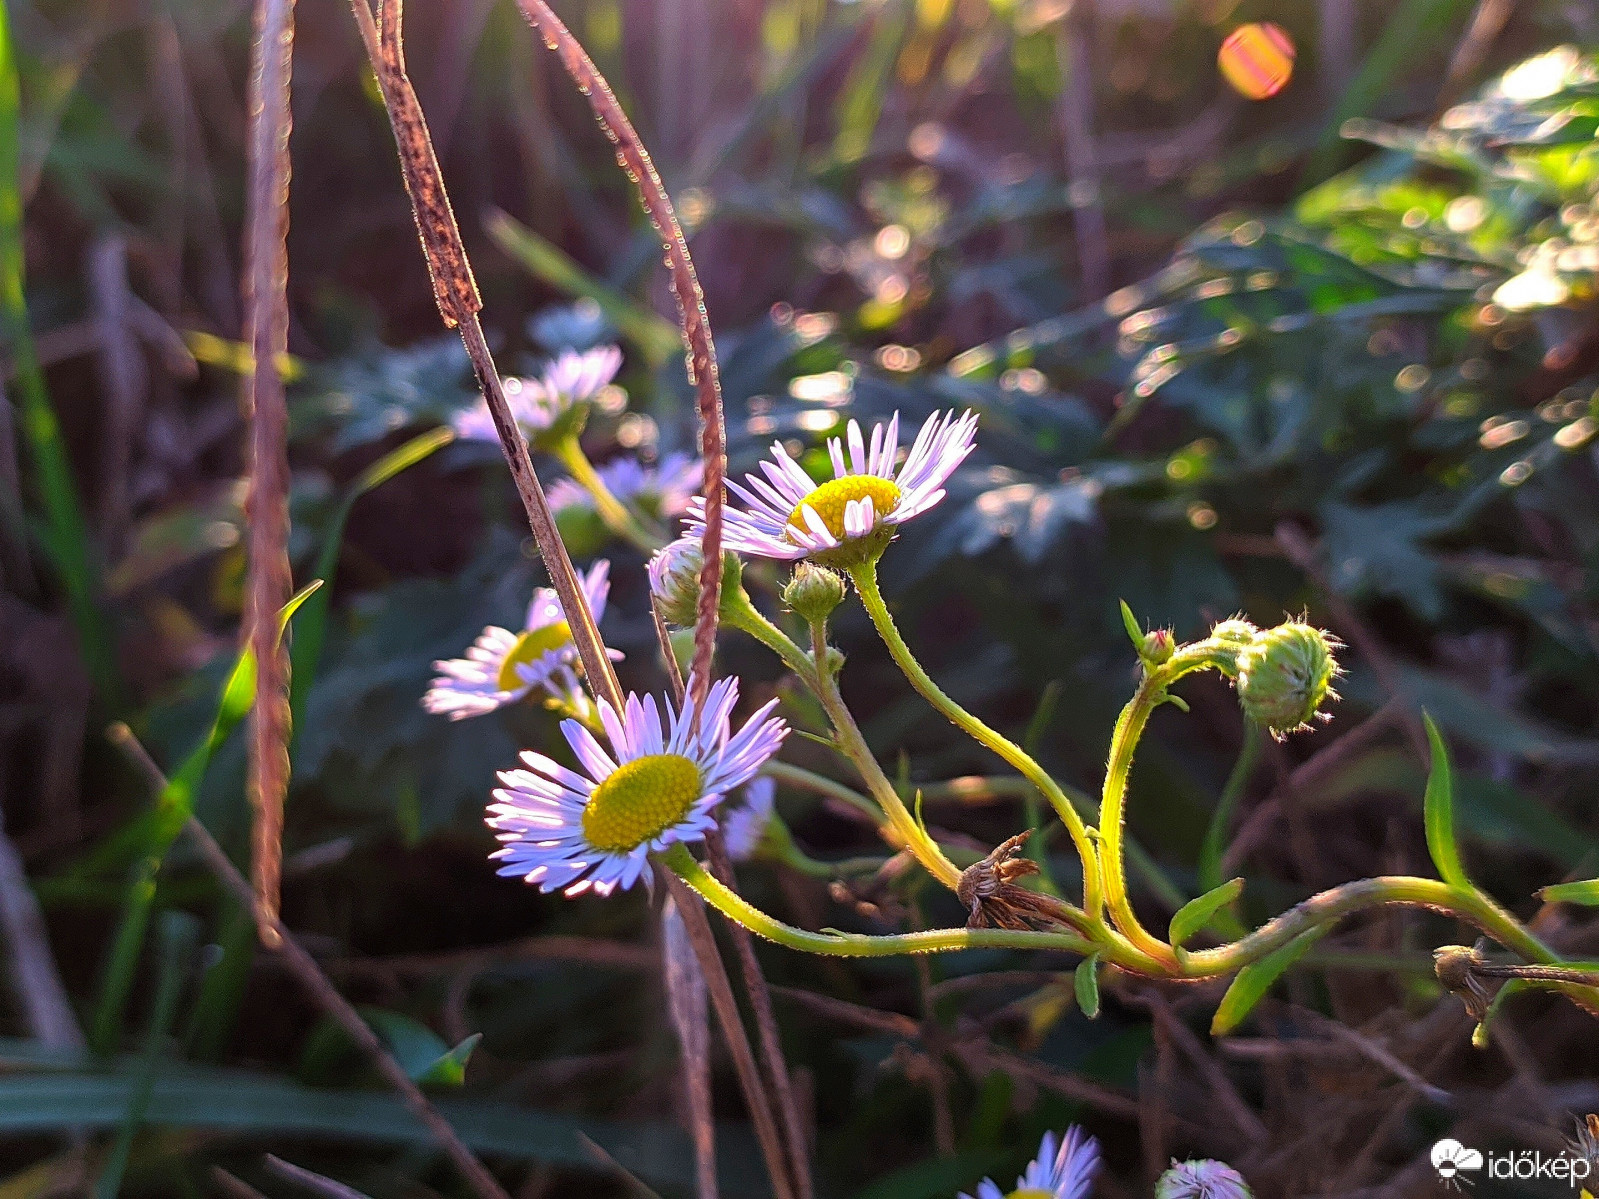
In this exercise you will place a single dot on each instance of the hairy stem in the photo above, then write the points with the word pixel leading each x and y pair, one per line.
pixel 865 577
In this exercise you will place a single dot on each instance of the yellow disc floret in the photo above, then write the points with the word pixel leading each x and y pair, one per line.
pixel 830 499
pixel 529 648
pixel 639 801
pixel 1031 1193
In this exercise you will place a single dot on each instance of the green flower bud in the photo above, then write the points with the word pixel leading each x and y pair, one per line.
pixel 1284 676
pixel 1237 630
pixel 1157 646
pixel 814 592
pixel 675 580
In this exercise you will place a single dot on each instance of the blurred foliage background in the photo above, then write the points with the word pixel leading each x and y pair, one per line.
pixel 1336 351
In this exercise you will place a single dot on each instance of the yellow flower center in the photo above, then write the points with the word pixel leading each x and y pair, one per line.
pixel 639 801
pixel 529 648
pixel 830 499
pixel 1031 1193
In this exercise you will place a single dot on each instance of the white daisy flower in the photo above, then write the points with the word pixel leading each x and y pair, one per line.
pixel 1065 1172
pixel 660 492
pixel 503 667
pixel 658 786
pixel 851 517
pixel 552 406
pixel 744 826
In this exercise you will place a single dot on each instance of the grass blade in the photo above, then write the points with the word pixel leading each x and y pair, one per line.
pixel 1439 811
pixel 65 535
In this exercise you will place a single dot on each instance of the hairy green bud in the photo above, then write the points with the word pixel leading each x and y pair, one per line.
pixel 1285 674
pixel 814 592
pixel 675 581
pixel 1157 646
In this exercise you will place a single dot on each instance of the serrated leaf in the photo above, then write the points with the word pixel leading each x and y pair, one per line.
pixel 1585 893
pixel 1196 913
pixel 1254 980
pixel 1086 984
pixel 1439 811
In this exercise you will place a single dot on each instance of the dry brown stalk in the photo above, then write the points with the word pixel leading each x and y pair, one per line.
pixel 317 984
pixel 455 292
pixel 700 349
pixel 266 315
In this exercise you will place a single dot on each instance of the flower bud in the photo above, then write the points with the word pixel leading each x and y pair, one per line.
pixel 1205 1179
pixel 1284 676
pixel 675 580
pixel 1237 631
pixel 814 592
pixel 1157 646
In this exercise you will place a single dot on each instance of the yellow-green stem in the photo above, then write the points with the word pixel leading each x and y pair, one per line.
pixel 616 515
pixel 738 612
pixel 865 576
pixel 853 743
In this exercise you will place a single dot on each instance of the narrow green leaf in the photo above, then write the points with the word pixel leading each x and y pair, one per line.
pixel 450 1069
pixel 1439 811
pixel 417 1048
pixel 1196 913
pixel 1255 979
pixel 1585 893
pixel 179 935
pixel 1086 983
pixel 655 337
pixel 310 631
pixel 65 535
pixel 1130 622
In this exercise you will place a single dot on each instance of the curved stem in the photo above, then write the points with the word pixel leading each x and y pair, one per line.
pixel 853 743
pixel 865 577
pixel 613 512
pixel 858 945
pixel 739 613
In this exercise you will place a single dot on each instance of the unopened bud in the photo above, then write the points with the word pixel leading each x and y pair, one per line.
pixel 675 580
pixel 814 592
pixel 1157 646
pixel 1284 676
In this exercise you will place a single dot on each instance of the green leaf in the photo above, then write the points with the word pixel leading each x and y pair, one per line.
pixel 1255 979
pixel 1130 622
pixel 244 1103
pixel 1439 809
pixel 450 1070
pixel 1086 983
pixel 310 634
pixel 655 337
pixel 1196 913
pixel 1585 893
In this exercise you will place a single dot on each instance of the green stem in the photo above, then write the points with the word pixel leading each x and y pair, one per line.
pixel 1151 693
pixel 739 613
pixel 855 945
pixel 853 742
pixel 865 576
pixel 616 515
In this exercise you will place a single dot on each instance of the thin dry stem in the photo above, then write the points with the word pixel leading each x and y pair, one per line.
pixel 455 292
pixel 725 1005
pixel 266 314
pixel 700 349
pixel 317 984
